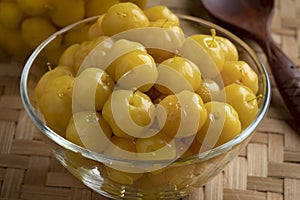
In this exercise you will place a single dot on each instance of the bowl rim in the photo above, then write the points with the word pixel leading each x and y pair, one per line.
pixel 61 141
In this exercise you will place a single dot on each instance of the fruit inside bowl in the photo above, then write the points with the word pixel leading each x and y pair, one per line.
pixel 153 105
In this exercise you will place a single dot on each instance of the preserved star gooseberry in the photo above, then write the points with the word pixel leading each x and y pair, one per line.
pixel 118 143
pixel 75 55
pixel 161 14
pixel 243 100
pixel 56 103
pixel 96 7
pixel 239 72
pixel 137 113
pixel 136 69
pixel 157 147
pixel 208 90
pixel 33 8
pixel 140 3
pixel 213 48
pixel 205 52
pixel 221 125
pixel 176 114
pixel 117 51
pixel 229 49
pixel 12 42
pixel 122 177
pixel 85 49
pixel 95 30
pixel 37 29
pixel 86 127
pixel 120 147
pixel 177 74
pixel 10 14
pixel 123 16
pixel 91 89
pixel 76 35
pixel 58 14
pixel 48 76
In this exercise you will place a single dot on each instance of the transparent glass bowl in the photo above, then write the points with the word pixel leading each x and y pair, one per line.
pixel 173 181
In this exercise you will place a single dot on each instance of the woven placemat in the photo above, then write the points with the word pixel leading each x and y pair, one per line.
pixel 267 169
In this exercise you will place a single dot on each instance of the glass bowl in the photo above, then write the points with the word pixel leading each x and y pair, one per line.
pixel 122 177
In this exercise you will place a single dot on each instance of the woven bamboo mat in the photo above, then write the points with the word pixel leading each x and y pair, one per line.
pixel 267 169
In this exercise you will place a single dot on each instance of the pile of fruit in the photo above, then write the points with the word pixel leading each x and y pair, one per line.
pixel 24 24
pixel 112 93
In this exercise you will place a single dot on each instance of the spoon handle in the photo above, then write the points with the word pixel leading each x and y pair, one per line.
pixel 287 77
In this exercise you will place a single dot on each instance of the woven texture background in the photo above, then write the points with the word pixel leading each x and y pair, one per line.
pixel 267 169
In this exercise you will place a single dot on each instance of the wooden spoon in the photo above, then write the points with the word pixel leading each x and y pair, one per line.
pixel 252 18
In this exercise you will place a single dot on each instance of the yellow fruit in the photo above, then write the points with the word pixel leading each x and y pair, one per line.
pixel 118 50
pixel 140 3
pixel 10 14
pixel 91 89
pixel 95 29
pixel 221 126
pixel 49 76
pixel 90 53
pixel 77 35
pixel 127 144
pixel 34 7
pixel 181 115
pixel 240 72
pixel 182 149
pixel 157 147
pixel 243 100
pixel 35 30
pixel 12 42
pixel 88 129
pixel 198 54
pixel 120 147
pixel 122 177
pixel 212 47
pixel 52 55
pixel 56 103
pixel 98 7
pixel 67 58
pixel 163 14
pixel 135 69
pixel 130 114
pixel 123 16
pixel 229 49
pixel 208 90
pixel 66 12
pixel 177 74
pixel 159 55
